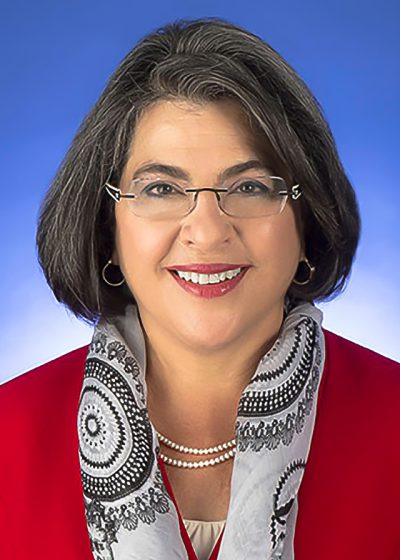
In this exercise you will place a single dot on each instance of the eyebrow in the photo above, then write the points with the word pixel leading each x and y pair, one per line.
pixel 179 173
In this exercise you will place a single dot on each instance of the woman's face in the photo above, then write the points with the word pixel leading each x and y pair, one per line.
pixel 203 141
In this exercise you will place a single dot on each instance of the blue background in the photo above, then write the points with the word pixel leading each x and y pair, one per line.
pixel 56 59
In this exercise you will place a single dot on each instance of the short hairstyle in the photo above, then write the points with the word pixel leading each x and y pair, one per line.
pixel 198 60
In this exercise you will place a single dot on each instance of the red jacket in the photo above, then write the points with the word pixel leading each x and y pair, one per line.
pixel 349 498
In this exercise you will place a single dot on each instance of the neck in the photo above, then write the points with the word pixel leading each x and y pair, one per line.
pixel 198 391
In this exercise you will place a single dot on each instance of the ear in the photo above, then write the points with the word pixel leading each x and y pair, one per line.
pixel 302 251
pixel 114 257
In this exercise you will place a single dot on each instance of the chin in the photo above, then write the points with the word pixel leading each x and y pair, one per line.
pixel 210 332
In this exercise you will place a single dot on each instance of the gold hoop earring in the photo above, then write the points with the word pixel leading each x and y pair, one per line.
pixel 311 271
pixel 103 274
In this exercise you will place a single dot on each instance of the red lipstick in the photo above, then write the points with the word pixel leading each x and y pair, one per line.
pixel 209 291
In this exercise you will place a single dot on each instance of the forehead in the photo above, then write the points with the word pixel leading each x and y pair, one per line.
pixel 180 115
pixel 181 132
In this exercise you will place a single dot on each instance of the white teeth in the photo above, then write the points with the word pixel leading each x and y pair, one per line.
pixel 215 278
pixel 202 279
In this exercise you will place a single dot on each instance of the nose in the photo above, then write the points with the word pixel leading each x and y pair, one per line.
pixel 206 227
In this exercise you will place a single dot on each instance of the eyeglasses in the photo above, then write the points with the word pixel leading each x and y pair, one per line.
pixel 247 197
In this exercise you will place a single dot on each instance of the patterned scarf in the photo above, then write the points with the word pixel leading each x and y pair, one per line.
pixel 129 514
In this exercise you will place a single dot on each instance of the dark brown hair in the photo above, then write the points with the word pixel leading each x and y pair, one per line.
pixel 198 60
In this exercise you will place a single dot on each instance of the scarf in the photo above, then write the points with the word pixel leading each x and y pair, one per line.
pixel 129 513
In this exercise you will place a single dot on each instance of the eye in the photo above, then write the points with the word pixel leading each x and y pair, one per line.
pixel 253 186
pixel 161 189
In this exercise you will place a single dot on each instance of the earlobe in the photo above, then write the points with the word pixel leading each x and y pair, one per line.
pixel 114 257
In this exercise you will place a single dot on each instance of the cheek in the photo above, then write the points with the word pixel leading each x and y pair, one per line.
pixel 140 246
pixel 279 246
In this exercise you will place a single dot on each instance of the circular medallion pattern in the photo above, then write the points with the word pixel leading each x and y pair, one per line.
pixel 115 435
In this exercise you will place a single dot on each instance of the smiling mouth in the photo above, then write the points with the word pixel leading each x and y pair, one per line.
pixel 209 290
pixel 203 279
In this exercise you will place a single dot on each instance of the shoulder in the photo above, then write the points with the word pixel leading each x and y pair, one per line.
pixel 361 372
pixel 342 349
pixel 54 381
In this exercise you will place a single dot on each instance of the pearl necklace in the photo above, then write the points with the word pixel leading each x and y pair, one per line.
pixel 196 450
pixel 198 464
pixel 229 445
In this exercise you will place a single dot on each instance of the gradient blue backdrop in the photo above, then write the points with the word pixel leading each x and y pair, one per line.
pixel 57 57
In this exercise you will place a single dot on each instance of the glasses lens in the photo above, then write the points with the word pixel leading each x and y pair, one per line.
pixel 253 197
pixel 159 199
pixel 246 198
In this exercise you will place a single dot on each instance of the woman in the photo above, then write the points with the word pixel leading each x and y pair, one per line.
pixel 200 211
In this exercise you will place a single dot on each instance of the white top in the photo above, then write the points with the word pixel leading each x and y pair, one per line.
pixel 203 535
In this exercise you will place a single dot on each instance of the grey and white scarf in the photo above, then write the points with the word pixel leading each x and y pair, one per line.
pixel 129 514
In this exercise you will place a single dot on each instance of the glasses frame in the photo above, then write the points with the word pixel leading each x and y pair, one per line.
pixel 294 193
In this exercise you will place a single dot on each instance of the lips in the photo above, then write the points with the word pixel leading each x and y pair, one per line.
pixel 207 268
pixel 209 291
